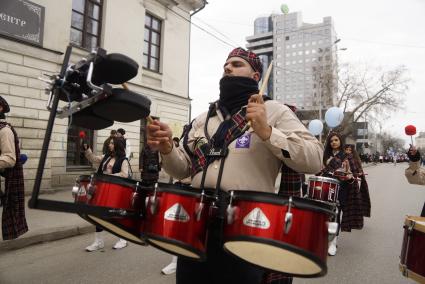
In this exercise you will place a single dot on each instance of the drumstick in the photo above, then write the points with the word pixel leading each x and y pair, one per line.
pixel 149 118
pixel 263 87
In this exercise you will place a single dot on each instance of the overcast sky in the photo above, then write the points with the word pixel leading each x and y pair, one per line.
pixel 381 33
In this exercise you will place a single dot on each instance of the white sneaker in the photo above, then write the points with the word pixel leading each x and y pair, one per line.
pixel 120 244
pixel 98 244
pixel 333 246
pixel 170 269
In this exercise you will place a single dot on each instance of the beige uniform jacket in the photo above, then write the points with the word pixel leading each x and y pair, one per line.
pixel 98 159
pixel 415 174
pixel 7 148
pixel 255 165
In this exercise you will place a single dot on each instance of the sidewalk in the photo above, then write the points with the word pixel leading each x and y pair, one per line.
pixel 45 226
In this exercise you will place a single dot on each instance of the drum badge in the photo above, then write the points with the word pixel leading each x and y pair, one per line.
pixel 244 141
pixel 257 219
pixel 176 213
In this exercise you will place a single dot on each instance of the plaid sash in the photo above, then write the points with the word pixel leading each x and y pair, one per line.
pixel 14 223
pixel 201 147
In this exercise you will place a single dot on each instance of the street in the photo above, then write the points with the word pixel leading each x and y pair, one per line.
pixel 370 255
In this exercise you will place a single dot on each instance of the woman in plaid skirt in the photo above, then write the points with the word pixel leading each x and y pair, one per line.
pixel 352 205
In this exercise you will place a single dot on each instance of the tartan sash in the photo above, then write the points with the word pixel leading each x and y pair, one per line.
pixel 202 147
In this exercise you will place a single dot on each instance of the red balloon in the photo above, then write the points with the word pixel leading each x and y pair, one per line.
pixel 82 134
pixel 410 130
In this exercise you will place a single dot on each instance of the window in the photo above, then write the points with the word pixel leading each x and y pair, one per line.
pixel 152 45
pixel 287 38
pixel 86 22
pixel 74 150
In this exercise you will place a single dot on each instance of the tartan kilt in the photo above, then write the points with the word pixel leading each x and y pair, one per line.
pixel 352 217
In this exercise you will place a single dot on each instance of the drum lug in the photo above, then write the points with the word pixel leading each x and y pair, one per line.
pixel 153 200
pixel 230 210
pixel 91 188
pixel 288 217
pixel 200 207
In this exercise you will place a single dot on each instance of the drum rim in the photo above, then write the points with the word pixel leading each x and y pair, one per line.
pixel 116 180
pixel 417 227
pixel 183 189
pixel 272 198
pixel 280 245
pixel 134 233
pixel 202 255
pixel 321 178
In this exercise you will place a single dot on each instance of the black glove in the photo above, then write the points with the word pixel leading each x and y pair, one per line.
pixel 414 158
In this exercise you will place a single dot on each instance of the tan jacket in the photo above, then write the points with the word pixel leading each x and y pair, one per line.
pixel 7 148
pixel 415 174
pixel 254 167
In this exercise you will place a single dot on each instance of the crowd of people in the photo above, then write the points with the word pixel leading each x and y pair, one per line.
pixel 242 142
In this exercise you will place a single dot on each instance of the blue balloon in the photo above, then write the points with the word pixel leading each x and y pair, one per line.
pixel 315 127
pixel 23 158
pixel 334 116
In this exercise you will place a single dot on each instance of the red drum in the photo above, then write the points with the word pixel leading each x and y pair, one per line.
pixel 79 190
pixel 323 189
pixel 176 220
pixel 412 259
pixel 287 235
pixel 121 196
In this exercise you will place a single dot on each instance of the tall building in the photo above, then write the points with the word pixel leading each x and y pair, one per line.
pixel 33 38
pixel 305 59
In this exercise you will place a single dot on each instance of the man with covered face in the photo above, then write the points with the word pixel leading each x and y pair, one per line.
pixel 238 144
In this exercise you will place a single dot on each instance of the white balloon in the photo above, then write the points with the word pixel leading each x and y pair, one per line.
pixel 315 127
pixel 334 116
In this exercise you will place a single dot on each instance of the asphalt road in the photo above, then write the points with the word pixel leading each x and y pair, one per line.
pixel 367 256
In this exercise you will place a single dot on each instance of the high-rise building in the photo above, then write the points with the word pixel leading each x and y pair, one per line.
pixel 305 59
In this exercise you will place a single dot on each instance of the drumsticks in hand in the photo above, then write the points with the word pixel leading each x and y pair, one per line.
pixel 125 86
pixel 259 97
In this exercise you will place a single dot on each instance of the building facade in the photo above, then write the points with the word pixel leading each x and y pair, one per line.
pixel 155 33
pixel 305 59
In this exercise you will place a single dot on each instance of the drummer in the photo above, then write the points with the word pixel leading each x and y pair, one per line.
pixel 415 174
pixel 114 162
pixel 253 160
pixel 339 163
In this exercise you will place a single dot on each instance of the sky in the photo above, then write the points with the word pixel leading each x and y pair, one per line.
pixel 381 34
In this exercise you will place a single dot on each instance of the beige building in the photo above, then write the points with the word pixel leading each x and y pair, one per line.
pixel 156 34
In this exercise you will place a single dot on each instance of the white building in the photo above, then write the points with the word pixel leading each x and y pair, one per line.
pixel 304 58
pixel 34 36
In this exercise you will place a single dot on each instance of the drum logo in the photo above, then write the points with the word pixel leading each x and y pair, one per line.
pixel 257 219
pixel 176 213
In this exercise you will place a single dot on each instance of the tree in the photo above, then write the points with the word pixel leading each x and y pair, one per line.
pixel 374 92
pixel 390 142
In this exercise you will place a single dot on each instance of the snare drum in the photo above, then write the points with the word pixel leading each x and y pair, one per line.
pixel 323 189
pixel 286 235
pixel 121 196
pixel 412 258
pixel 176 220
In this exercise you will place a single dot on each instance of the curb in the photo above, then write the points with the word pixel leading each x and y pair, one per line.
pixel 46 235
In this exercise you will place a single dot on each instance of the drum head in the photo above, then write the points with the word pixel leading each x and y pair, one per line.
pixel 87 119
pixel 115 68
pixel 116 229
pixel 277 257
pixel 123 106
pixel 175 247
